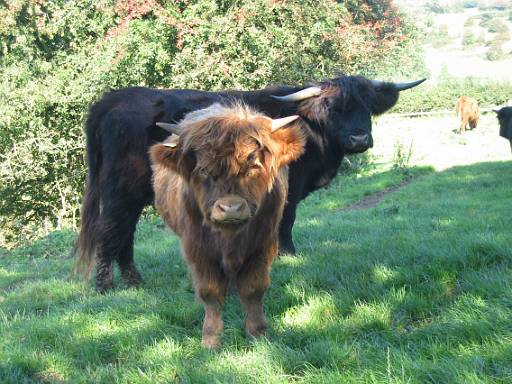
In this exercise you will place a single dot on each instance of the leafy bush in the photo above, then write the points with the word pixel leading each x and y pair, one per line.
pixel 470 21
pixel 57 57
pixel 440 38
pixel 468 39
pixel 444 94
pixel 497 25
pixel 495 51
pixel 436 6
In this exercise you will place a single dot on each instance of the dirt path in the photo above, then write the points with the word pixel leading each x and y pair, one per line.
pixel 372 200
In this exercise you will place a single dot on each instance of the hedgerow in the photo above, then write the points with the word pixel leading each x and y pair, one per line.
pixel 58 57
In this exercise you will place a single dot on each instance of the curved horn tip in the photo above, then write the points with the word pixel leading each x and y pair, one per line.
pixel 171 128
pixel 412 84
pixel 280 123
pixel 306 93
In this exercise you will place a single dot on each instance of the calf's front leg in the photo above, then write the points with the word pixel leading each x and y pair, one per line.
pixel 211 288
pixel 251 289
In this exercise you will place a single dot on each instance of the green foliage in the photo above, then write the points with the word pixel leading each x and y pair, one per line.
pixel 470 21
pixel 444 94
pixel 468 39
pixel 440 38
pixel 495 51
pixel 57 57
pixel 440 7
pixel 497 25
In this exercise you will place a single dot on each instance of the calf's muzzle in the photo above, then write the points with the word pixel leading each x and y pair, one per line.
pixel 230 211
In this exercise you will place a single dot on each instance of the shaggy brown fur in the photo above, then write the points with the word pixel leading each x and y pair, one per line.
pixel 468 112
pixel 226 154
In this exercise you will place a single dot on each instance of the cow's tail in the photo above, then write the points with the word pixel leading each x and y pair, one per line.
pixel 87 242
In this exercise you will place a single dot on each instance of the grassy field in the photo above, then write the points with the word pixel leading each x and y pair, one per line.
pixel 414 288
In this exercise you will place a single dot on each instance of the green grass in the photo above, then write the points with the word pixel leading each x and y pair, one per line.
pixel 417 289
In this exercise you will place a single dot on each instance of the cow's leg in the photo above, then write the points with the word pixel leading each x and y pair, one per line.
pixel 252 283
pixel 117 222
pixel 113 239
pixel 211 287
pixel 285 228
pixel 286 245
pixel 510 144
pixel 463 124
pixel 129 273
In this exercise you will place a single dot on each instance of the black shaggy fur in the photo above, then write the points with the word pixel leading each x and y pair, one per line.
pixel 505 119
pixel 121 127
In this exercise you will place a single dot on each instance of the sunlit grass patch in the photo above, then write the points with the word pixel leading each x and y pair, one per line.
pixel 414 289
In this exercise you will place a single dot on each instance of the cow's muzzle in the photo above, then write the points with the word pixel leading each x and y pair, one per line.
pixel 358 143
pixel 230 212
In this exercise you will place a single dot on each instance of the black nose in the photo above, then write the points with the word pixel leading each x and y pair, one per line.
pixel 360 142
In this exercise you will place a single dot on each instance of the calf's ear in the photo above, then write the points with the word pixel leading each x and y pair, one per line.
pixel 171 156
pixel 290 143
pixel 166 155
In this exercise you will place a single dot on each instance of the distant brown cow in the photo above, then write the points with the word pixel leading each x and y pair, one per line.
pixel 221 185
pixel 467 112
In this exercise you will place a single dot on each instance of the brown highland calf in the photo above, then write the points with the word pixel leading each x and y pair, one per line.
pixel 220 183
pixel 468 112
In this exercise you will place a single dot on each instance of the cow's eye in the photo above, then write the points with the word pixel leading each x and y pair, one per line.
pixel 203 175
pixel 253 172
pixel 251 157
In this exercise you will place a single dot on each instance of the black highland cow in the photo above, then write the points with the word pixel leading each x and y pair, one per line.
pixel 336 115
pixel 505 119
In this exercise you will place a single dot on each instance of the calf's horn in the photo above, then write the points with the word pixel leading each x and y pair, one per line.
pixel 300 95
pixel 171 128
pixel 279 123
pixel 172 141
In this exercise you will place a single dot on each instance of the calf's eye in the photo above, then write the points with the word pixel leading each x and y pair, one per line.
pixel 203 175
pixel 253 172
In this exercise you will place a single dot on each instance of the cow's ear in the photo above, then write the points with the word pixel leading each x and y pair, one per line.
pixel 171 156
pixel 166 155
pixel 290 144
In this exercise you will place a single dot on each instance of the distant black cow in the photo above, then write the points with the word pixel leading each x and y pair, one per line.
pixel 505 119
pixel 336 115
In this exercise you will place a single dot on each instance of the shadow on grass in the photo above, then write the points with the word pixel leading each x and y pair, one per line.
pixel 417 287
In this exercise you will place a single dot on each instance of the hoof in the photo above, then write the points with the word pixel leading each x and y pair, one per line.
pixel 131 277
pixel 211 342
pixel 255 331
pixel 103 287
pixel 287 251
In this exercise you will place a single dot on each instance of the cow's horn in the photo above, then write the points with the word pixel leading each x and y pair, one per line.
pixel 171 128
pixel 496 110
pixel 399 86
pixel 279 123
pixel 412 84
pixel 300 95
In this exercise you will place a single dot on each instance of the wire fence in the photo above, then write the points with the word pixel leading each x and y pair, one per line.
pixel 427 113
